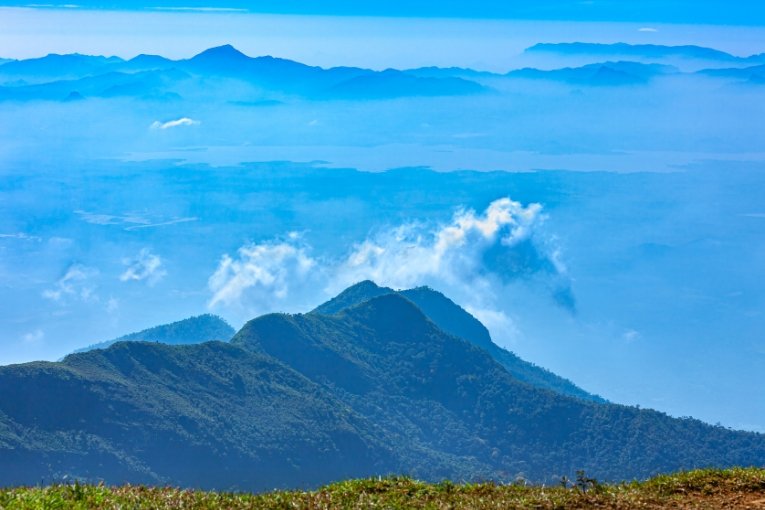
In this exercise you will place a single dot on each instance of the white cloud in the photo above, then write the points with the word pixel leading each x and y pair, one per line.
pixel 130 221
pixel 112 219
pixel 77 283
pixel 33 337
pixel 414 254
pixel 267 272
pixel 112 305
pixel 648 29
pixel 20 235
pixel 145 266
pixel 472 258
pixel 162 223
pixel 631 336
pixel 183 121
pixel 201 9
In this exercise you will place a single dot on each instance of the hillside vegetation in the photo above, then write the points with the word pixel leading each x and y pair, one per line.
pixel 298 401
pixel 194 330
pixel 735 488
pixel 455 320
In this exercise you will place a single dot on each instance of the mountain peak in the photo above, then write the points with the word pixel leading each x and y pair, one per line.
pixel 225 52
pixel 353 295
pixel 390 312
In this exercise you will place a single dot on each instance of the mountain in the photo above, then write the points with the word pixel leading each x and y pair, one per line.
pixel 451 72
pixel 647 51
pixel 145 63
pixel 392 83
pixel 604 74
pixel 144 84
pixel 300 400
pixel 754 74
pixel 194 330
pixel 55 77
pixel 455 320
pixel 58 66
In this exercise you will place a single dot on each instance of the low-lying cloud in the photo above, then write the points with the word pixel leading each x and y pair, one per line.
pixel 183 121
pixel 77 283
pixel 264 273
pixel 473 258
pixel 145 266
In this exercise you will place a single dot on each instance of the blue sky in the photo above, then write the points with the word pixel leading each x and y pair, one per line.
pixel 327 40
pixel 658 11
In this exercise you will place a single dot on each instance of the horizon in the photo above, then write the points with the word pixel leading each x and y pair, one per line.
pixel 330 41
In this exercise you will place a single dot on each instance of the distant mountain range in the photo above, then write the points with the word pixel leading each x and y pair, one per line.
pixel 649 51
pixel 754 74
pixel 605 74
pixel 56 76
pixel 366 384
pixel 194 330
pixel 67 77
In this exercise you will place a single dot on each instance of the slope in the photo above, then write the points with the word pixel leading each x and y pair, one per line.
pixel 455 320
pixel 300 400
pixel 385 359
pixel 208 415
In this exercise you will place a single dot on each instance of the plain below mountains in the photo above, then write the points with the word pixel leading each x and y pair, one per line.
pixel 367 384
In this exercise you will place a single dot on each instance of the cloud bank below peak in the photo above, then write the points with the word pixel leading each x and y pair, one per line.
pixel 473 257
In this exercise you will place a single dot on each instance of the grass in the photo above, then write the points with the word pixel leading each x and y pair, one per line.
pixel 733 488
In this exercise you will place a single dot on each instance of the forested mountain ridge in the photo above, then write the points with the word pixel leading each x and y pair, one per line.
pixel 194 330
pixel 300 400
pixel 455 320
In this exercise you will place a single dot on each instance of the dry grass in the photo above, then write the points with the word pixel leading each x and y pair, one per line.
pixel 703 489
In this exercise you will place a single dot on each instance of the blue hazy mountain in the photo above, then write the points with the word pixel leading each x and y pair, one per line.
pixel 451 72
pixel 753 74
pixel 151 75
pixel 301 400
pixel 194 330
pixel 144 62
pixel 58 66
pixel 602 74
pixel 393 83
pixel 647 51
pixel 144 84
pixel 455 320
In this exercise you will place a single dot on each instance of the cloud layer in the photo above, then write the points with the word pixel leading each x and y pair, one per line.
pixel 267 272
pixel 473 258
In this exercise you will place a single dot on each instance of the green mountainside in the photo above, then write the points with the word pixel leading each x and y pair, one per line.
pixel 194 330
pixel 302 400
pixel 455 320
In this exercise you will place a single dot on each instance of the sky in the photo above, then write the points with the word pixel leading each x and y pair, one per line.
pixel 370 42
pixel 718 12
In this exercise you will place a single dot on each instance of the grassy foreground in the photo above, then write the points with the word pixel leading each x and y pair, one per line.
pixel 713 489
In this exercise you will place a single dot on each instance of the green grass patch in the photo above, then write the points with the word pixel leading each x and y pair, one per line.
pixel 694 489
